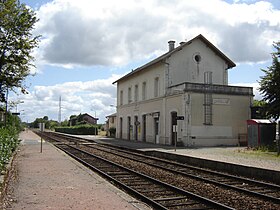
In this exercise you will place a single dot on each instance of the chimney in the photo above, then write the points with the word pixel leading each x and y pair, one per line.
pixel 171 45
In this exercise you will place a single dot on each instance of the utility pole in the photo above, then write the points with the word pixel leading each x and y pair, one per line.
pixel 59 111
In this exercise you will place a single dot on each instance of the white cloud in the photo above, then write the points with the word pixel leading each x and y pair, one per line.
pixel 77 97
pixel 256 86
pixel 113 33
pixel 116 33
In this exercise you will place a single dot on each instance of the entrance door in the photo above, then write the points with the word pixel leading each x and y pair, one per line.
pixel 136 123
pixel 156 127
pixel 128 127
pixel 144 128
pixel 173 123
pixel 121 127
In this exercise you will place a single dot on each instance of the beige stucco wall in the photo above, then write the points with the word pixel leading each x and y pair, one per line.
pixel 183 67
pixel 230 112
pixel 229 119
pixel 148 108
pixel 147 76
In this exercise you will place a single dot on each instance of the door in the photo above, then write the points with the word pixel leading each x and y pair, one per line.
pixel 128 127
pixel 144 128
pixel 121 127
pixel 173 125
pixel 156 131
pixel 136 125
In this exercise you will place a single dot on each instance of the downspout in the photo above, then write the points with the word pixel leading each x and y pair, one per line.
pixel 167 84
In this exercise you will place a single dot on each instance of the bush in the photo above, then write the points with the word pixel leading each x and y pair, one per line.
pixel 8 144
pixel 78 129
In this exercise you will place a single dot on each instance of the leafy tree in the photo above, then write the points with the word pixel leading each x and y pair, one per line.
pixel 270 83
pixel 65 123
pixel 16 44
pixel 258 110
pixel 259 103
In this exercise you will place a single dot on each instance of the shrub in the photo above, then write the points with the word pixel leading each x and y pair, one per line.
pixel 78 129
pixel 8 144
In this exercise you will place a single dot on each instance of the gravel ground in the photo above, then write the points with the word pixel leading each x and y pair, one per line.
pixel 52 180
pixel 222 195
pixel 235 155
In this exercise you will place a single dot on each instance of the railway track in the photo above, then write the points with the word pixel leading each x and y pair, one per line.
pixel 264 191
pixel 267 191
pixel 158 194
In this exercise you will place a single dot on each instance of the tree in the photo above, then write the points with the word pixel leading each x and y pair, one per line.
pixel 16 45
pixel 258 110
pixel 270 83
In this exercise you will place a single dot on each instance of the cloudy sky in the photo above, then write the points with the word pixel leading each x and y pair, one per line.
pixel 88 44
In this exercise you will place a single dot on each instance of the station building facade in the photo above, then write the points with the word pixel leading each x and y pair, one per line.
pixel 189 82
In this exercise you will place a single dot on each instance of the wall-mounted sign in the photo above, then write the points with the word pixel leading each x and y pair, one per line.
pixel 221 101
pixel 180 118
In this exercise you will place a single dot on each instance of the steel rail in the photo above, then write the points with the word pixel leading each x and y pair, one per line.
pixel 154 202
pixel 223 183
pixel 266 186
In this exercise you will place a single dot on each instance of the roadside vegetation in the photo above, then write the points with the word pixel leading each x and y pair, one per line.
pixel 9 139
pixel 266 152
pixel 79 129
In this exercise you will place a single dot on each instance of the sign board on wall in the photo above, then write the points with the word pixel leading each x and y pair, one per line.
pixel 221 101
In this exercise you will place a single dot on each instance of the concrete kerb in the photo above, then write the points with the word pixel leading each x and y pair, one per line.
pixel 247 171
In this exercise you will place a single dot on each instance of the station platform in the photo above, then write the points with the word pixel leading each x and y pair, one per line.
pixel 53 180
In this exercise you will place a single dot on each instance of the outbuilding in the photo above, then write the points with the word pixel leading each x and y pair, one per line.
pixel 260 132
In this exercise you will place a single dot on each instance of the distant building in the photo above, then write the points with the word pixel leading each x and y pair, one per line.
pixel 83 119
pixel 189 81
pixel 111 125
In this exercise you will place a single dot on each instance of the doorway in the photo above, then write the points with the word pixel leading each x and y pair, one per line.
pixel 121 127
pixel 128 127
pixel 156 129
pixel 144 128
pixel 173 126
pixel 136 125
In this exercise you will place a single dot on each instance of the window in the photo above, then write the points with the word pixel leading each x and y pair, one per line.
pixel 121 97
pixel 197 58
pixel 156 82
pixel 144 91
pixel 129 95
pixel 136 93
pixel 208 77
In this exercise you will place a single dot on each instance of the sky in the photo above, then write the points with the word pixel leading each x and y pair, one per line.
pixel 86 45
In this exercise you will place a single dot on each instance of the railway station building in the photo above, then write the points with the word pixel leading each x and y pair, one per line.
pixel 183 96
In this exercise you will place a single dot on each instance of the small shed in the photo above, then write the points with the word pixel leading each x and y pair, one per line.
pixel 260 132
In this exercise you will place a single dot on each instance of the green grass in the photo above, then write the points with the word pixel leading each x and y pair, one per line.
pixel 263 152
